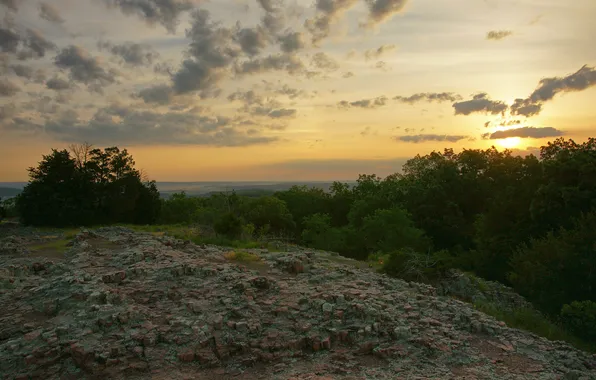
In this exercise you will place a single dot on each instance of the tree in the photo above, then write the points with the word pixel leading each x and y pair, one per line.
pixel 94 187
pixel 269 211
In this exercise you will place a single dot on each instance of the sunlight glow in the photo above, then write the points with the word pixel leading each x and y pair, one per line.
pixel 510 142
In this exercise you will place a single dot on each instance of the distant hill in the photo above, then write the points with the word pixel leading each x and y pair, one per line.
pixel 9 192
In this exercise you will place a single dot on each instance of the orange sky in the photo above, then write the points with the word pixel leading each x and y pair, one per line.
pixel 292 90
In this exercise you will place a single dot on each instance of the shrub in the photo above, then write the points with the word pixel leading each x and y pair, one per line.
pixel 410 265
pixel 229 225
pixel 580 318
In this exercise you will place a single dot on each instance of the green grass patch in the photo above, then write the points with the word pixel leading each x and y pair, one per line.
pixel 52 248
pixel 242 256
pixel 530 320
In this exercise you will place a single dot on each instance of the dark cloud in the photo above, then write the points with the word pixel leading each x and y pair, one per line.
pixel 364 103
pixel 50 13
pixel 524 132
pixel 290 92
pixel 525 107
pixel 147 128
pixel 381 10
pixel 379 52
pixel 324 62
pixel 11 4
pixel 282 113
pixel 581 80
pixel 36 44
pixel 7 88
pixel 422 138
pixel 267 5
pixel 83 67
pixel 480 103
pixel 429 97
pixel 164 12
pixel 251 40
pixel 131 53
pixel 291 42
pixel 248 97
pixel 9 40
pixel 211 52
pixel 58 84
pixel 23 71
pixel 327 12
pixel 497 35
pixel 548 88
pixel 159 94
pixel 278 62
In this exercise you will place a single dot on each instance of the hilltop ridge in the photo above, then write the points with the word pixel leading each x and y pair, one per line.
pixel 122 304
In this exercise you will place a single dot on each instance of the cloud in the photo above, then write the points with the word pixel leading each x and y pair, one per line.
pixel 548 88
pixel 132 54
pixel 480 103
pixel 379 52
pixel 422 138
pixel 83 67
pixel 9 40
pixel 278 62
pixel 328 11
pixel 50 13
pixel 381 10
pixel 282 113
pixel 7 88
pixel 348 74
pixel 123 125
pixel 37 45
pixel 524 132
pixel 578 81
pixel 164 12
pixel 429 97
pixel 159 94
pixel 22 71
pixel 291 42
pixel 267 5
pixel 525 107
pixel 364 103
pixel 58 84
pixel 211 53
pixel 7 111
pixel 324 62
pixel 11 4
pixel 497 35
pixel 251 40
pixel 291 93
pixel 248 97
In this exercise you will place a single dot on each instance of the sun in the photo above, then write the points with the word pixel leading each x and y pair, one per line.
pixel 509 142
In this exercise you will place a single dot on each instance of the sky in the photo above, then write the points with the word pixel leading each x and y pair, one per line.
pixel 226 90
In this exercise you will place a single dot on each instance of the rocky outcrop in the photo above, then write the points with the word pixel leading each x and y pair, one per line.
pixel 136 306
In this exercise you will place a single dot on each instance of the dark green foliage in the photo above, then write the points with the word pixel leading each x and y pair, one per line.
pixel 268 211
pixel 411 265
pixel 580 318
pixel 103 188
pixel 560 267
pixel 228 225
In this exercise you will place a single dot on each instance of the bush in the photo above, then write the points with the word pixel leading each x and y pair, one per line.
pixel 229 225
pixel 410 265
pixel 580 318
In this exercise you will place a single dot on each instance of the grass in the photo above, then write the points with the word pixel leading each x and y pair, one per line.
pixel 50 248
pixel 242 256
pixel 530 320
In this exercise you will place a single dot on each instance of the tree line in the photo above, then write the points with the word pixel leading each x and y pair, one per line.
pixel 529 222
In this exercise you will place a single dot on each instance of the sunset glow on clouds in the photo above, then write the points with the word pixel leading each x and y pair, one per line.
pixel 288 89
